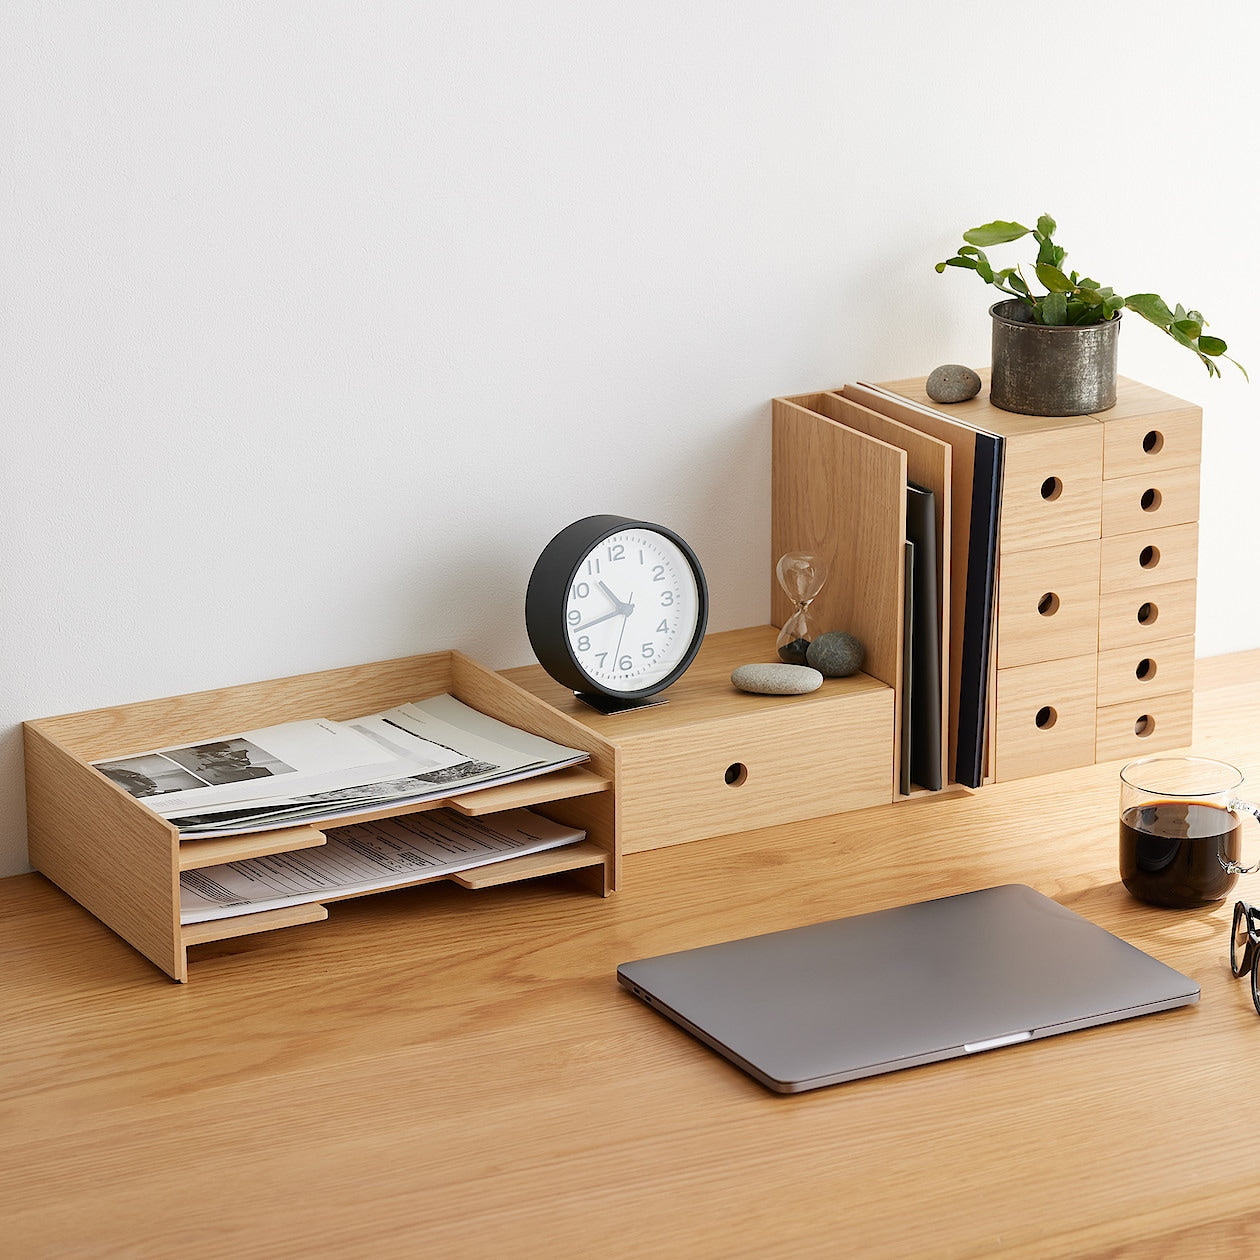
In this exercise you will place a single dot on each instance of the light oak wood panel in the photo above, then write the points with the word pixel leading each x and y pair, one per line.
pixel 1142 502
pixel 214 850
pixel 252 924
pixel 1145 726
pixel 1130 675
pixel 473 1083
pixel 1047 604
pixel 929 464
pixel 102 847
pixel 1046 717
pixel 1144 617
pixel 1153 557
pixel 1051 487
pixel 842 494
pixel 1148 432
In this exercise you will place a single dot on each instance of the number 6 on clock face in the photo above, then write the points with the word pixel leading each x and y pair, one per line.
pixel 616 609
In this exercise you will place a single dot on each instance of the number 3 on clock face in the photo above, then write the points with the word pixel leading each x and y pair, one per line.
pixel 616 608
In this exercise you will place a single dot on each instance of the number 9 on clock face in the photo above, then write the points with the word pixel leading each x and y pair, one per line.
pixel 616 608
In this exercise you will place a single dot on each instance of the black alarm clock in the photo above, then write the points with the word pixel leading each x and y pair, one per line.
pixel 616 610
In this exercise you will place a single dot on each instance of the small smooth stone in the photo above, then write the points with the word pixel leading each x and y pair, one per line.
pixel 776 680
pixel 951 383
pixel 836 654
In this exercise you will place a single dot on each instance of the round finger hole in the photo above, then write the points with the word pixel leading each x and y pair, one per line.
pixel 1144 726
pixel 736 773
pixel 1048 604
pixel 1051 488
pixel 1148 557
pixel 1046 718
pixel 1153 442
pixel 1151 499
pixel 1145 669
pixel 1147 614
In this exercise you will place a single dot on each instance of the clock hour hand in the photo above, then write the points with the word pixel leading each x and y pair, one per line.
pixel 625 609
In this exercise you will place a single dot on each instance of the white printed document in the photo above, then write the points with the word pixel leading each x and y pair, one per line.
pixel 367 857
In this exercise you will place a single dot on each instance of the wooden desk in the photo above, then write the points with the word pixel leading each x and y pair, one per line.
pixel 443 1072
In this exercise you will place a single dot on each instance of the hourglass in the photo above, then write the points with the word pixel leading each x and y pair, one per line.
pixel 801 574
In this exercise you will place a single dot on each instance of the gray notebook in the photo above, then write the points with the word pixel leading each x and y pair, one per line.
pixel 901 987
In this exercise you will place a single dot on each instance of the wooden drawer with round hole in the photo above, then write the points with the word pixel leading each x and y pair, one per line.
pixel 1128 675
pixel 1150 501
pixel 1046 717
pixel 1141 727
pixel 1047 607
pixel 1138 617
pixel 1148 432
pixel 1052 486
pixel 1154 557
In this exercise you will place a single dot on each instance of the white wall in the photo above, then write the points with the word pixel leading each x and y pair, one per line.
pixel 319 319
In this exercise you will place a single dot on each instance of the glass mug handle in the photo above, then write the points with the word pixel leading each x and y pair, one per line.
pixel 1241 807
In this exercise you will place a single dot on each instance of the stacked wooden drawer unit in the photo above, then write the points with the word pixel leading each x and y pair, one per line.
pixel 1150 541
pixel 1095 603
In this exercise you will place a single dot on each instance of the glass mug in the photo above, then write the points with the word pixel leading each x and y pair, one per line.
pixel 1181 830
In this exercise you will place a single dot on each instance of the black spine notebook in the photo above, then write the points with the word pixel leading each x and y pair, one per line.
pixel 973 701
pixel 924 681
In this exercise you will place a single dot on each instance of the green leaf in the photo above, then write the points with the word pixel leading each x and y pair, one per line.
pixel 1054 309
pixel 1192 328
pixel 1054 279
pixel 1213 345
pixel 1150 306
pixel 1046 225
pixel 956 261
pixel 999 232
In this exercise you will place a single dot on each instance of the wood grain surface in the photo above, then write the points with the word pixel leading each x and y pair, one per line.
pixel 441 1072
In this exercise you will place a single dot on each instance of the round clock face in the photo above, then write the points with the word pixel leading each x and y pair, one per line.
pixel 617 607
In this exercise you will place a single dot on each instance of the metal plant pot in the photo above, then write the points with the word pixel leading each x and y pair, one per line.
pixel 1044 371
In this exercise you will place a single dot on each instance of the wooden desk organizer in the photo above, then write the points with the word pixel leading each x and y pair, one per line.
pixel 1094 660
pixel 1095 605
pixel 122 861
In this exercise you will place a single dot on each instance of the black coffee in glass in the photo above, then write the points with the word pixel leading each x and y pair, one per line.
pixel 1177 853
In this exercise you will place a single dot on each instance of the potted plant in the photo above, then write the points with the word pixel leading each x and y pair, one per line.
pixel 1054 353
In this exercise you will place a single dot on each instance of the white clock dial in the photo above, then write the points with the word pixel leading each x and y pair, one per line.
pixel 632 610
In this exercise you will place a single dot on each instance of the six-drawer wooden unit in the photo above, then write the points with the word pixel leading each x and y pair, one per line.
pixel 1096 576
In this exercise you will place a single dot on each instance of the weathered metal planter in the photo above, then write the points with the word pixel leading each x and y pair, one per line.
pixel 1044 371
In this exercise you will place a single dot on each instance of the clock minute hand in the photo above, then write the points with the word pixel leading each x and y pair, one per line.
pixel 619 611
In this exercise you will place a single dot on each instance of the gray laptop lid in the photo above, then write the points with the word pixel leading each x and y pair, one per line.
pixel 897 988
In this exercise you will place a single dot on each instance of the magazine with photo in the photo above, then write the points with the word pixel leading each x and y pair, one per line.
pixel 319 769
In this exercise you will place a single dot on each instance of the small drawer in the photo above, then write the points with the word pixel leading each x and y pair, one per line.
pixel 1132 504
pixel 774 760
pixel 1143 617
pixel 1155 557
pixel 1137 728
pixel 1152 442
pixel 1052 487
pixel 1047 605
pixel 1131 675
pixel 1046 717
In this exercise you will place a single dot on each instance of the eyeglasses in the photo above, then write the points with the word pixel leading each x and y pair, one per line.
pixel 1244 947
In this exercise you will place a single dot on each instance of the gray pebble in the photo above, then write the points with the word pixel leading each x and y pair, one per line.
pixel 836 654
pixel 952 383
pixel 776 680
